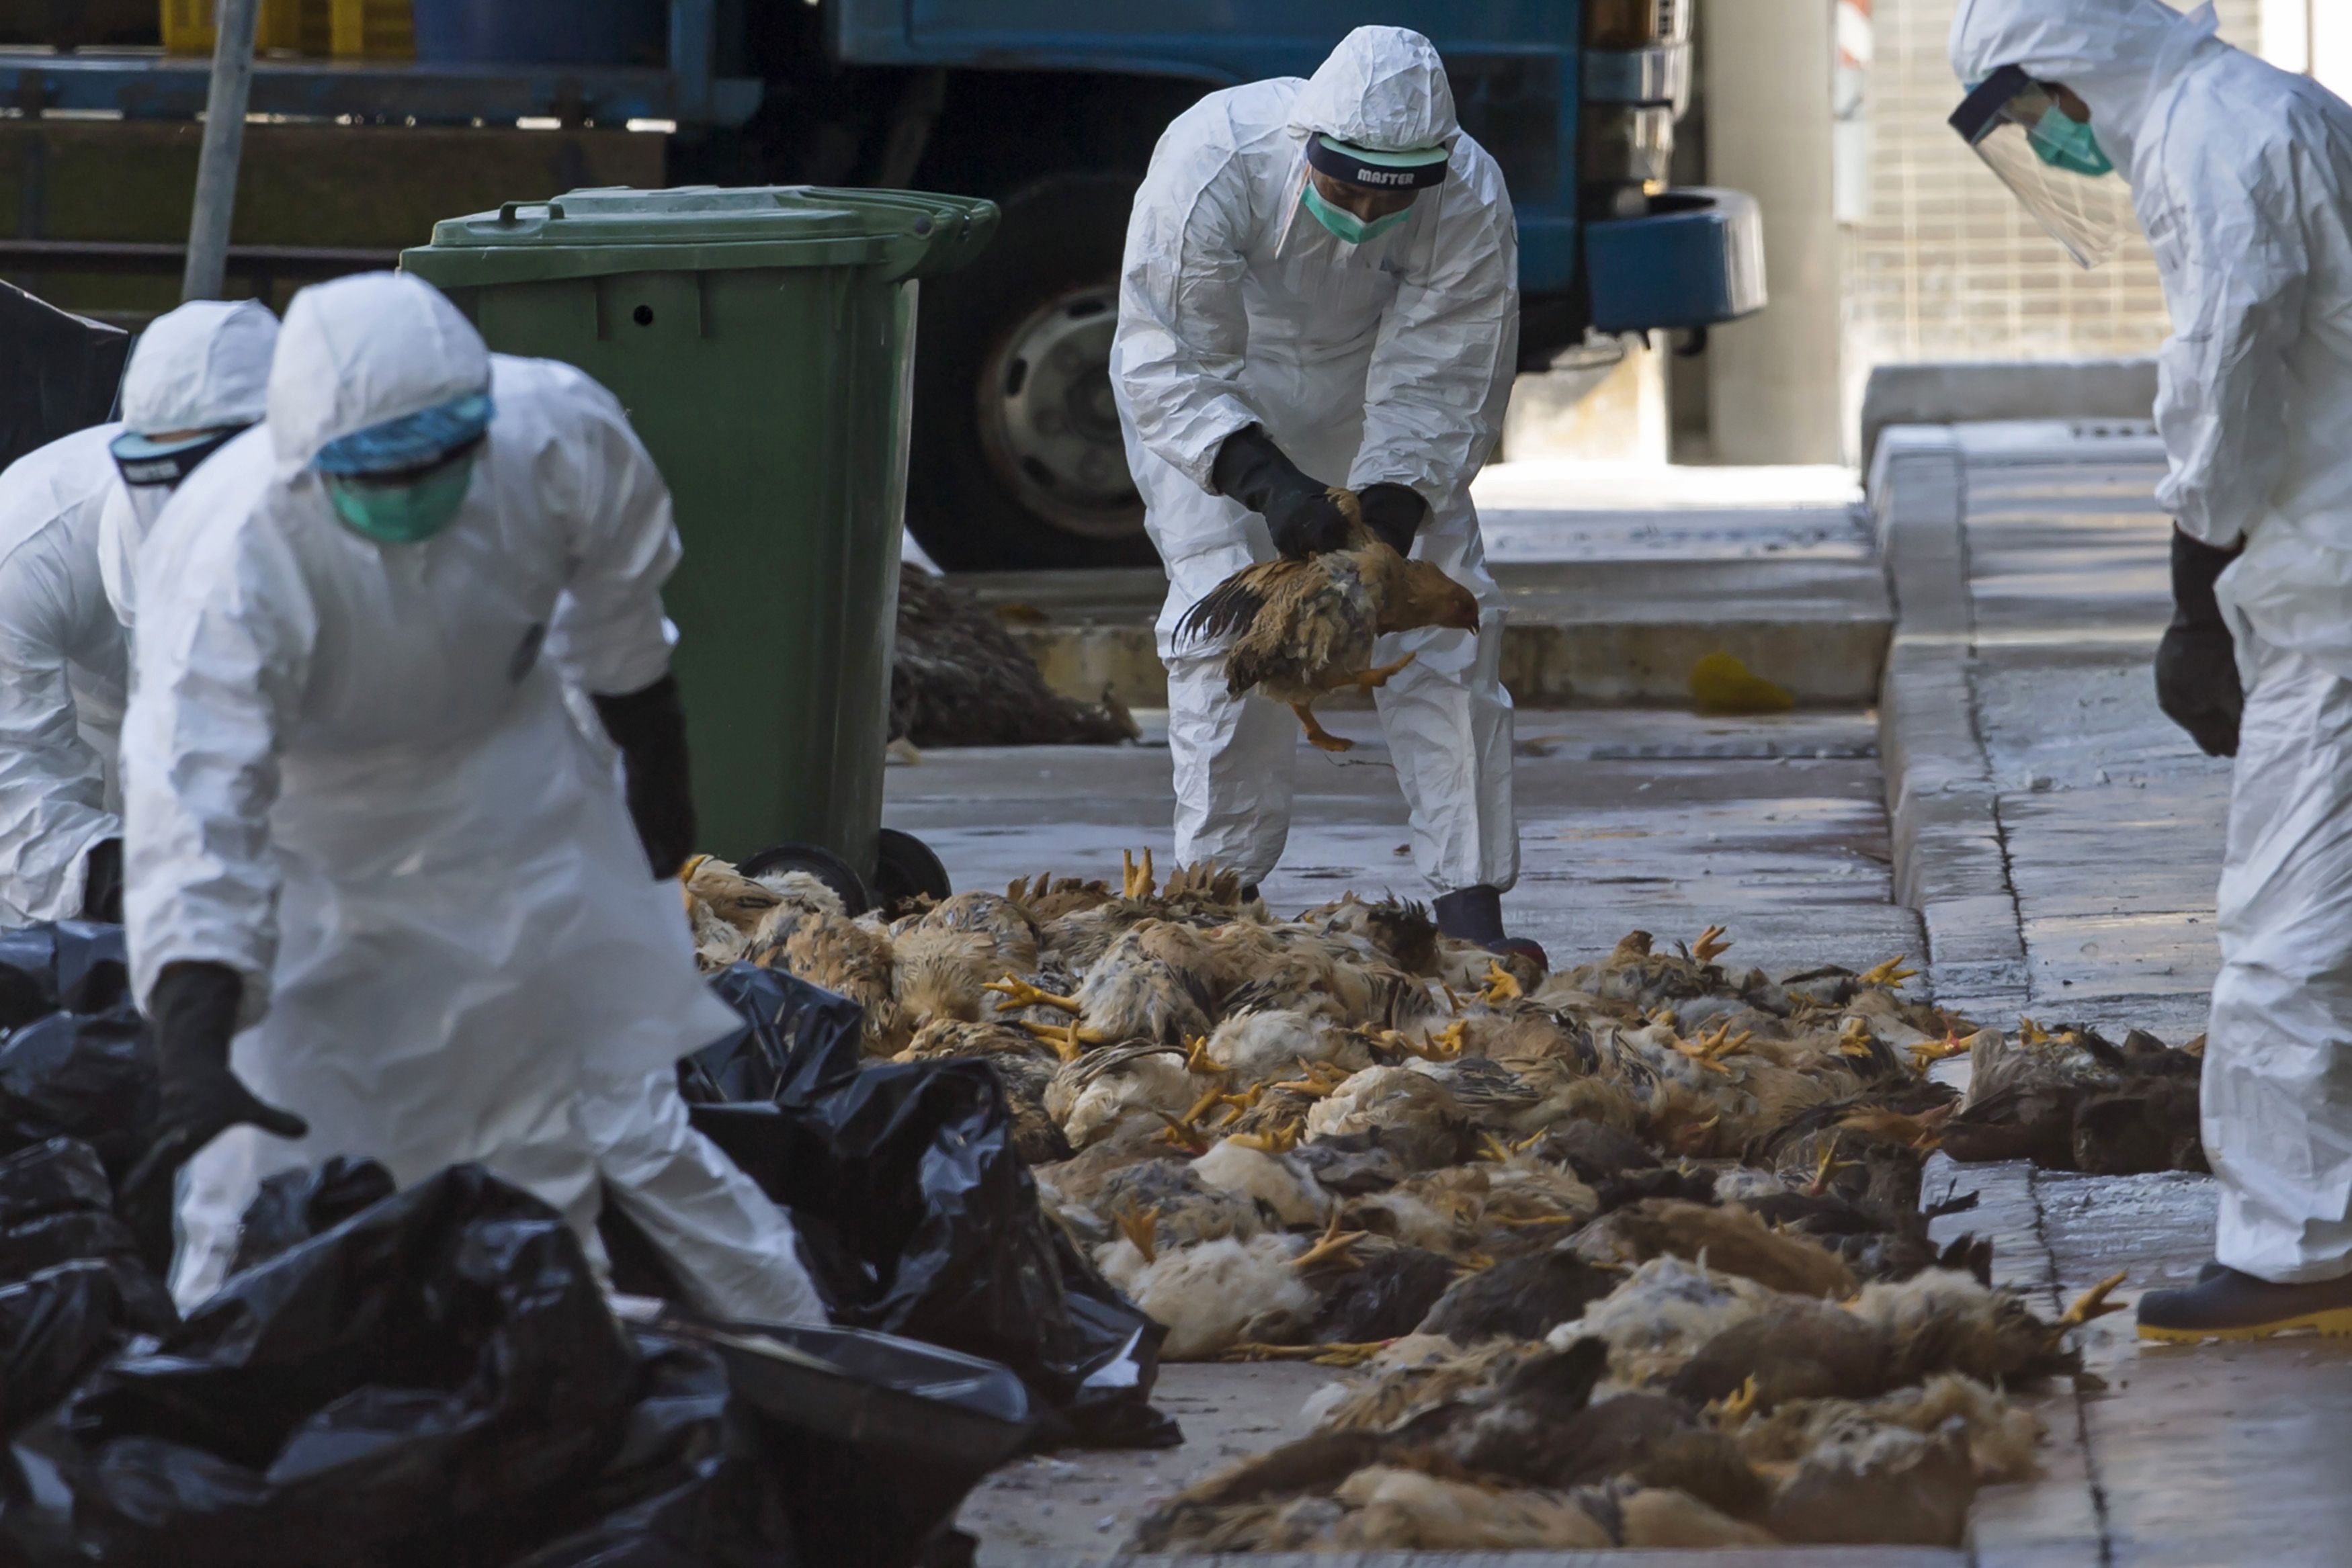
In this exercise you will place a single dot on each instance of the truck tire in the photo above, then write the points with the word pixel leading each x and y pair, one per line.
pixel 1017 463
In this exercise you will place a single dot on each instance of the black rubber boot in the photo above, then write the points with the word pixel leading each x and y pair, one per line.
pixel 1475 915
pixel 2227 1304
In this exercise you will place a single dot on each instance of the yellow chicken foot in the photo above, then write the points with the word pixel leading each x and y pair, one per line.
pixel 1141 1226
pixel 1698 1055
pixel 1501 986
pixel 1183 1135
pixel 1280 1141
pixel 1376 677
pixel 1319 738
pixel 1203 1107
pixel 2092 1303
pixel 1196 1058
pixel 1733 1410
pixel 1829 1165
pixel 1069 1041
pixel 1927 1055
pixel 1136 880
pixel 1890 973
pixel 1019 993
pixel 1321 1078
pixel 1710 944
pixel 1333 1243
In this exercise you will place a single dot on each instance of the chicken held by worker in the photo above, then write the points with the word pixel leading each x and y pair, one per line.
pixel 1297 631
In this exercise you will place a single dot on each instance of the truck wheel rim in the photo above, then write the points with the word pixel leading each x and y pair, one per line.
pixel 1047 421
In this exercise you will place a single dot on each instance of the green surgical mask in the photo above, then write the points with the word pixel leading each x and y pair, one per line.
pixel 403 514
pixel 1344 223
pixel 2065 142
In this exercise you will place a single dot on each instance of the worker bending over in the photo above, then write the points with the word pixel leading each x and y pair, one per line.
pixel 1321 288
pixel 386 898
pixel 2241 174
pixel 195 378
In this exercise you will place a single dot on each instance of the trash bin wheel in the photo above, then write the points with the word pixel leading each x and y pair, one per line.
pixel 819 862
pixel 905 869
pixel 1018 460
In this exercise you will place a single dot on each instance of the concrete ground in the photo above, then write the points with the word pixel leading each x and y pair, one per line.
pixel 2016 809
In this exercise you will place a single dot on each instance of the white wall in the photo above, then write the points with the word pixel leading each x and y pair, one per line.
pixel 1772 379
pixel 2312 36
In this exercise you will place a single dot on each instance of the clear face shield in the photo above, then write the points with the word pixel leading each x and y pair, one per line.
pixel 2050 160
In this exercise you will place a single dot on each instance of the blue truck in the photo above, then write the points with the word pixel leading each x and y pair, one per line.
pixel 1051 108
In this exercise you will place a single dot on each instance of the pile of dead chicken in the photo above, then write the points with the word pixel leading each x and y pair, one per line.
pixel 1633 1253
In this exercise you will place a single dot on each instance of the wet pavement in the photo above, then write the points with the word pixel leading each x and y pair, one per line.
pixel 2017 808
pixel 1661 820
pixel 2063 839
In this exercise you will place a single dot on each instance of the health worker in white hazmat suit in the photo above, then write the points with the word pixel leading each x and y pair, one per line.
pixel 2241 176
pixel 195 378
pixel 1321 288
pixel 386 897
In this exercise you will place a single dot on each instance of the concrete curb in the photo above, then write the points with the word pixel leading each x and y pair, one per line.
pixel 1603 663
pixel 1580 633
pixel 1943 812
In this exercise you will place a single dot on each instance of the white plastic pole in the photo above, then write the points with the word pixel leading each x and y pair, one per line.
pixel 234 25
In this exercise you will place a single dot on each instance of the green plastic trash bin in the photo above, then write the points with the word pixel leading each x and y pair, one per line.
pixel 762 340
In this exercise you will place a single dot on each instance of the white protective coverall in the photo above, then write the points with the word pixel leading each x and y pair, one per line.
pixel 62 674
pixel 205 366
pixel 2242 175
pixel 1389 361
pixel 64 511
pixel 350 776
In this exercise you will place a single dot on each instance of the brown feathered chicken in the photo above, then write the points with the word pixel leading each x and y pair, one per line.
pixel 1299 630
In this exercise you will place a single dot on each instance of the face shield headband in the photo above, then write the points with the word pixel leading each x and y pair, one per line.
pixel 143 461
pixel 1414 169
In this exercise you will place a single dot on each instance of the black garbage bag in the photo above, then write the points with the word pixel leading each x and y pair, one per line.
pixel 883 1438
pixel 435 1380
pixel 79 966
pixel 919 1218
pixel 797 1041
pixel 90 1076
pixel 56 1326
pixel 57 372
pixel 57 1207
pixel 294 1206
pixel 693 1483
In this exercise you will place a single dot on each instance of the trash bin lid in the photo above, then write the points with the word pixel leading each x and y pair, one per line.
pixel 616 228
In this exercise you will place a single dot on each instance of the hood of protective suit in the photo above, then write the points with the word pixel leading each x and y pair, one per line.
pixel 1383 87
pixel 201 367
pixel 363 350
pixel 2118 55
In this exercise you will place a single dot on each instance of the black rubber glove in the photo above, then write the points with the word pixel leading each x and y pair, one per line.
pixel 2196 664
pixel 649 726
pixel 101 886
pixel 1298 509
pixel 1394 512
pixel 194 1006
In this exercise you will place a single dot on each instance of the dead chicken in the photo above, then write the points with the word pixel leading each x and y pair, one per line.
pixel 807 932
pixel 1731 1240
pixel 1093 1093
pixel 1024 1067
pixel 1403 933
pixel 1296 630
